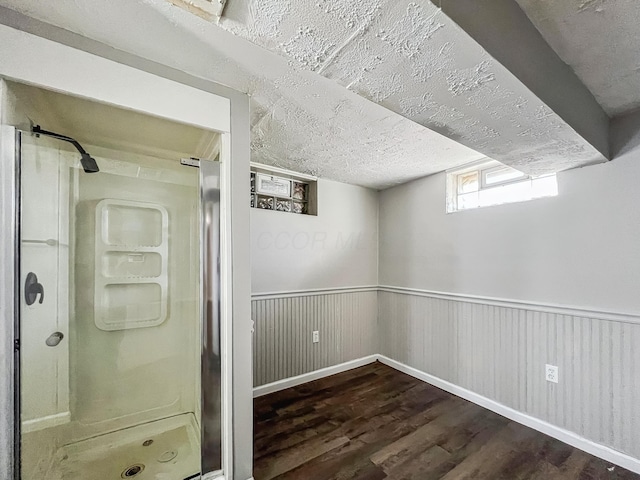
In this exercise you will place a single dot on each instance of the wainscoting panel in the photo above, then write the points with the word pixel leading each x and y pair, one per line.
pixel 500 352
pixel 284 323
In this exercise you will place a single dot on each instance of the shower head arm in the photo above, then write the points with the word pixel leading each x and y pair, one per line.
pixel 88 163
pixel 39 131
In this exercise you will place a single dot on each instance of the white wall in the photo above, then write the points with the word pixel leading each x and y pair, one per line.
pixel 579 249
pixel 336 248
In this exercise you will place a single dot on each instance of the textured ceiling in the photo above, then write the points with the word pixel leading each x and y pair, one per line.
pixel 411 58
pixel 344 89
pixel 600 40
pixel 300 120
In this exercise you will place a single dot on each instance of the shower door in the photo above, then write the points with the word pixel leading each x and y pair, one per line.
pixel 119 296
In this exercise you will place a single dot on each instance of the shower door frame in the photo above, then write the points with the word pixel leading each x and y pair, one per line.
pixel 33 65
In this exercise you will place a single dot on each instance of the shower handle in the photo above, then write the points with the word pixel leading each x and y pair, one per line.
pixel 32 289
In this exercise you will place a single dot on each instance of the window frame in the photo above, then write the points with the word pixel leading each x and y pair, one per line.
pixel 483 185
pixel 309 203
pixel 483 167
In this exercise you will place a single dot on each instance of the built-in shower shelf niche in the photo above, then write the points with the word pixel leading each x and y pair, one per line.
pixel 131 250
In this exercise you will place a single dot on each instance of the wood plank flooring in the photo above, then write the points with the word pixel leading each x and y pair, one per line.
pixel 376 423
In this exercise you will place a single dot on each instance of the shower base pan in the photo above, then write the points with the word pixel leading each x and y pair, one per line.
pixel 167 449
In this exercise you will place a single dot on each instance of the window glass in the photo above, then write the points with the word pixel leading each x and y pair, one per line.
pixel 502 175
pixel 282 193
pixel 468 182
pixel 492 183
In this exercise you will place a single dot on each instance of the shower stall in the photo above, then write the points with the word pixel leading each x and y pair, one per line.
pixel 117 336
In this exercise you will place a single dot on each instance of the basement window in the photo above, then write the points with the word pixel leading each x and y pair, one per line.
pixel 283 191
pixel 490 182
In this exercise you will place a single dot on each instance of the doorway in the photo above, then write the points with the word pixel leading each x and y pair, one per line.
pixel 119 316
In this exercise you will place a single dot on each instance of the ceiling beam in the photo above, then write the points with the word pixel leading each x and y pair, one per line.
pixel 507 34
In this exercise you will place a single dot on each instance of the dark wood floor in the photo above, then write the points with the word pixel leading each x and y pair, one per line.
pixel 376 423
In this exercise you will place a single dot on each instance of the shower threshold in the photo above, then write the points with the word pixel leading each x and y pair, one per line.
pixel 166 449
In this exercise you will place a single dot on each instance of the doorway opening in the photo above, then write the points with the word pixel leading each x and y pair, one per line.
pixel 111 293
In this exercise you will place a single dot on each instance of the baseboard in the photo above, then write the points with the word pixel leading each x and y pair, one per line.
pixel 29 426
pixel 309 377
pixel 566 436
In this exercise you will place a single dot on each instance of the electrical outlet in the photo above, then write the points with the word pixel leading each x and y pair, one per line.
pixel 316 336
pixel 551 373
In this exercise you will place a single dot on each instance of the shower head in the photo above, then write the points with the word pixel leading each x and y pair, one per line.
pixel 89 164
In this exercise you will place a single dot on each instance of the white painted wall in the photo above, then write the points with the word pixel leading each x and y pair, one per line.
pixel 336 248
pixel 580 249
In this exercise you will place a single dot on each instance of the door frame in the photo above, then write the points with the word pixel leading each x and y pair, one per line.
pixel 8 303
pixel 35 60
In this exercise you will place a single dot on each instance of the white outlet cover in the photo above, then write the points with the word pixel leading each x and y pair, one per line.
pixel 551 373
pixel 316 336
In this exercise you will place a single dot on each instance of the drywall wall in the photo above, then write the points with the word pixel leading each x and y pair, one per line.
pixel 297 254
pixel 336 248
pixel 579 248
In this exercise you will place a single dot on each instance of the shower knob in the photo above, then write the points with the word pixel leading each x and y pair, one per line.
pixel 54 339
pixel 32 289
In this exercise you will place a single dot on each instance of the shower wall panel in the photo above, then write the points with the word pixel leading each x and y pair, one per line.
pixel 123 374
pixel 45 253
